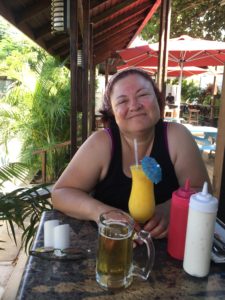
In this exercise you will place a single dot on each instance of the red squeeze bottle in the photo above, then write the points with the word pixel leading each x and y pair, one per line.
pixel 178 220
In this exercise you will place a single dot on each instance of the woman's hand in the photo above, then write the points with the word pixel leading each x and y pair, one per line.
pixel 158 224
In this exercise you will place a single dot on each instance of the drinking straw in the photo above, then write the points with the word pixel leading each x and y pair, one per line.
pixel 136 152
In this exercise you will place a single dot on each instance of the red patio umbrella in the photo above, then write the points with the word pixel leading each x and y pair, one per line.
pixel 184 50
pixel 171 71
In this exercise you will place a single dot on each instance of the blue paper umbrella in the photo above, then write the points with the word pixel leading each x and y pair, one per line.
pixel 151 169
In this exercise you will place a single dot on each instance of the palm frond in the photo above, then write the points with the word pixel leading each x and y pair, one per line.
pixel 13 170
pixel 23 207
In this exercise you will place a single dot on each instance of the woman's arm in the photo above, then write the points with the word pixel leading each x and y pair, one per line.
pixel 71 193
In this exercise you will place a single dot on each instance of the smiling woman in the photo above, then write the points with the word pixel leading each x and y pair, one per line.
pixel 99 176
pixel 134 107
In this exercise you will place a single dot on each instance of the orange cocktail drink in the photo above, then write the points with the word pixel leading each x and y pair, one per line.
pixel 142 199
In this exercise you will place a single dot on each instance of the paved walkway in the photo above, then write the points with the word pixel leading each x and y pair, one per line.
pixel 10 260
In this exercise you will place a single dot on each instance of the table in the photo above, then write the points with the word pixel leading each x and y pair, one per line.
pixel 201 129
pixel 49 279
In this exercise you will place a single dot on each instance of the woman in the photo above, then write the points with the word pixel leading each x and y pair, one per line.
pixel 98 177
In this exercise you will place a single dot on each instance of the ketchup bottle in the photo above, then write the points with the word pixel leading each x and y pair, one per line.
pixel 178 221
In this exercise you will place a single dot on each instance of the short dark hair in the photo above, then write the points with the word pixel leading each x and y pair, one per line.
pixel 106 109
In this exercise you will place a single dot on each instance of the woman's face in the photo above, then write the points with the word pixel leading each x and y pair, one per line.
pixel 134 103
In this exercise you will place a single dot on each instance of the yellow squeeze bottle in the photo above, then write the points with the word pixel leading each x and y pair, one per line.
pixel 142 200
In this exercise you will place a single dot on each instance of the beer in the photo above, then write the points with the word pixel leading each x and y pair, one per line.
pixel 115 255
pixel 114 261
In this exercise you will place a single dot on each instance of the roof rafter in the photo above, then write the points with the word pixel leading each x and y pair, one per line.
pixel 126 16
pixel 31 11
pixel 112 10
pixel 118 29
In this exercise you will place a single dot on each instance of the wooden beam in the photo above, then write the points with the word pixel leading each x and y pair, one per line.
pixel 8 15
pixel 102 53
pixel 162 45
pixel 120 32
pixel 220 145
pixel 114 9
pixel 30 11
pixel 92 85
pixel 117 29
pixel 80 16
pixel 60 47
pixel 148 17
pixel 121 18
pixel 96 3
pixel 62 51
pixel 57 40
pixel 42 31
pixel 6 12
pixel 86 60
pixel 74 77
pixel 119 41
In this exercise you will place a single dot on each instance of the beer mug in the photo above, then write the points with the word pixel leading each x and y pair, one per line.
pixel 114 263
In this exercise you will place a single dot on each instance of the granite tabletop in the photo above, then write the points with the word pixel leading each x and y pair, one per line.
pixel 45 278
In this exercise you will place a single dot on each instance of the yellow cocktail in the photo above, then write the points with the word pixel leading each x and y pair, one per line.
pixel 142 199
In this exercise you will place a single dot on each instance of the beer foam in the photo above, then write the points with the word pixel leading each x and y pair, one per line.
pixel 119 231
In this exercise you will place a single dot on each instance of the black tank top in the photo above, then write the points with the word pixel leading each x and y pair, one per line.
pixel 115 188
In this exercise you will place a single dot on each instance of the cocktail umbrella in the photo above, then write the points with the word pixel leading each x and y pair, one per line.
pixel 182 52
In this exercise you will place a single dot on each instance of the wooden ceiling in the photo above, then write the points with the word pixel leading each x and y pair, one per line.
pixel 115 24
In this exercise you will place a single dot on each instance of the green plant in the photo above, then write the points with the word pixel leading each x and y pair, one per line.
pixel 190 91
pixel 22 207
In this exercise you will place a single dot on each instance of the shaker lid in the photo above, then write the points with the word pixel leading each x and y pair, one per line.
pixel 186 191
pixel 203 201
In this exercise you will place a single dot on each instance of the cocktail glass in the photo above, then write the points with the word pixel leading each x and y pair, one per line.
pixel 142 200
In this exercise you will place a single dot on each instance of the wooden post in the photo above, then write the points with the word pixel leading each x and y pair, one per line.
pixel 73 70
pixel 91 85
pixel 164 33
pixel 86 58
pixel 43 165
pixel 221 210
pixel 219 164
pixel 213 101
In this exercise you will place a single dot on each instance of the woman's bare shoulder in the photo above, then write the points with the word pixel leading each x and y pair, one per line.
pixel 96 150
pixel 185 155
pixel 99 140
pixel 179 135
pixel 177 128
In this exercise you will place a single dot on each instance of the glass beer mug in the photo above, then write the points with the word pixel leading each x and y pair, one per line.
pixel 114 263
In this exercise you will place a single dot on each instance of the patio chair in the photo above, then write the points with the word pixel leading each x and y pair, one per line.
pixel 193 116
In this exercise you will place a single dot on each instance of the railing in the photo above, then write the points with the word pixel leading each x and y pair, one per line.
pixel 43 154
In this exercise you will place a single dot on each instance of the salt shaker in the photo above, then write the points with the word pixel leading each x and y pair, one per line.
pixel 178 220
pixel 200 231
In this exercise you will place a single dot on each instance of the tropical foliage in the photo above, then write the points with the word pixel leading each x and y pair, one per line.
pixel 36 107
pixel 22 207
pixel 200 19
